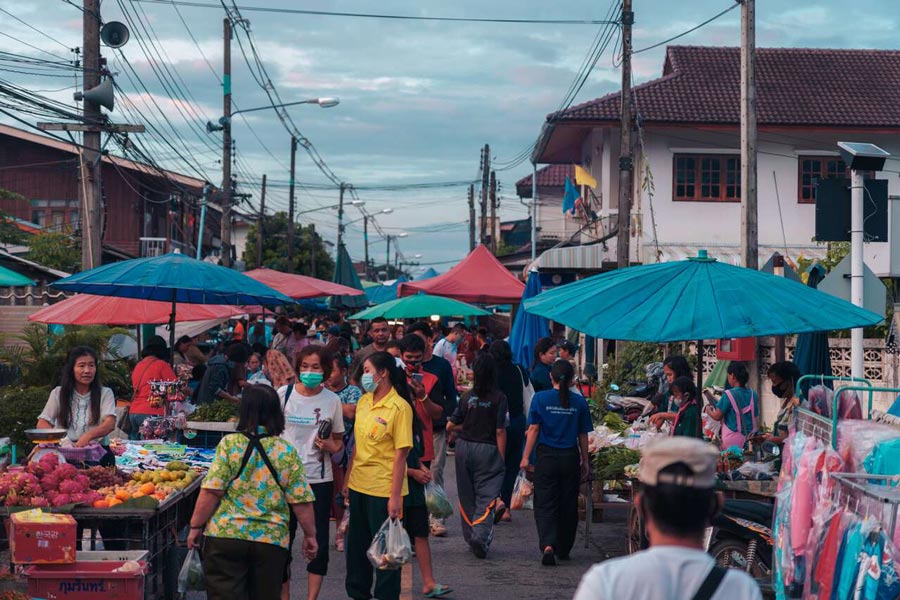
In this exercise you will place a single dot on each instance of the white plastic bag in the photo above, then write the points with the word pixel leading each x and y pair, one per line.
pixel 191 577
pixel 523 493
pixel 437 501
pixel 390 548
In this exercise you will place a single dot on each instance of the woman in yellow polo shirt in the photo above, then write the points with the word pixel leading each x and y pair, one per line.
pixel 376 474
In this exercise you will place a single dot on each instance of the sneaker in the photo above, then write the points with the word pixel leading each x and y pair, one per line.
pixel 438 529
pixel 479 551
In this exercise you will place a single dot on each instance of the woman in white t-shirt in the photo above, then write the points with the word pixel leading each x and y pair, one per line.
pixel 307 406
pixel 80 404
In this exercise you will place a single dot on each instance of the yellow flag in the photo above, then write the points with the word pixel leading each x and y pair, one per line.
pixel 582 177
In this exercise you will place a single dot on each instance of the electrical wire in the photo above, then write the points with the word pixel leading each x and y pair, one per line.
pixel 691 30
pixel 323 13
pixel 35 29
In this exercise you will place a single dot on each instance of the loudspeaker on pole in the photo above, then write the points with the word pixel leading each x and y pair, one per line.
pixel 102 94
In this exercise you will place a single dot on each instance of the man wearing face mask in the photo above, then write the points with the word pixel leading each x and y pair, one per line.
pixel 428 401
pixel 380 332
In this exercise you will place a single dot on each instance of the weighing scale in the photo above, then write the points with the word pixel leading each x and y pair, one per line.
pixel 46 442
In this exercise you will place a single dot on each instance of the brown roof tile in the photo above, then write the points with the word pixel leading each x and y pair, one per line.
pixel 549 176
pixel 795 86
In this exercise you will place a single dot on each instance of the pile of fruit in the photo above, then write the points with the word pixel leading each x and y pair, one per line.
pixel 158 484
pixel 48 483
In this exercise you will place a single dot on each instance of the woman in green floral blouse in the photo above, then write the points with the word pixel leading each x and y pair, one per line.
pixel 243 505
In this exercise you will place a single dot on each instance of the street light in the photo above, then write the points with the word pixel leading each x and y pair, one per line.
pixel 365 219
pixel 226 121
pixel 331 207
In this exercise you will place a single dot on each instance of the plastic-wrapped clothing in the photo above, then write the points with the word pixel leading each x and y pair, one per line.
pixel 847 566
pixel 784 560
pixel 804 496
pixel 857 439
pixel 884 459
pixel 822 568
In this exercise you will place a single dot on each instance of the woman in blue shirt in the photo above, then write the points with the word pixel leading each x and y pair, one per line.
pixel 544 357
pixel 559 422
pixel 738 408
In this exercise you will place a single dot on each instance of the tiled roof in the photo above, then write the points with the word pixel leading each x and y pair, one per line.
pixel 795 86
pixel 549 176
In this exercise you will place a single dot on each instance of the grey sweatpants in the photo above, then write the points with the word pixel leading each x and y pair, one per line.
pixel 479 477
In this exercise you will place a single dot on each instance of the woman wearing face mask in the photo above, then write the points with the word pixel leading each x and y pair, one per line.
pixel 307 406
pixel 349 395
pixel 784 377
pixel 376 474
pixel 686 420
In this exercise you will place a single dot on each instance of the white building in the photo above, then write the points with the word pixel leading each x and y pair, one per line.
pixel 687 143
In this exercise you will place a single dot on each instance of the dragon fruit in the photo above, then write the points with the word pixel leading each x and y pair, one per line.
pixel 70 486
pixel 39 501
pixel 61 499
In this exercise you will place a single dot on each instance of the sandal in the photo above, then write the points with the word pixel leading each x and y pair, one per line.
pixel 438 591
pixel 339 544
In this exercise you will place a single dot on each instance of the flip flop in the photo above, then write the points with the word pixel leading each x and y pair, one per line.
pixel 438 591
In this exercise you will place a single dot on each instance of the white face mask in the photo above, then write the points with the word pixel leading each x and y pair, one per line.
pixel 676 401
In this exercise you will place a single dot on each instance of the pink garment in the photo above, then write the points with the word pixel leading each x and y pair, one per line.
pixel 737 438
pixel 803 499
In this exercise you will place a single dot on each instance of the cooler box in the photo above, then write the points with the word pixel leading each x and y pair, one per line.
pixel 85 581
pixel 37 537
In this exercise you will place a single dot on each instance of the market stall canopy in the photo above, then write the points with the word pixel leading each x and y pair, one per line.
pixel 421 305
pixel 345 275
pixel 9 278
pixel 698 298
pixel 87 309
pixel 528 327
pixel 428 274
pixel 479 278
pixel 385 293
pixel 299 287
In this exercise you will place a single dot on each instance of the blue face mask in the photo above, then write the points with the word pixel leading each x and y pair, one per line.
pixel 368 383
pixel 310 379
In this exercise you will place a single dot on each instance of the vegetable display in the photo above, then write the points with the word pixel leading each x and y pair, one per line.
pixel 610 462
pixel 614 422
pixel 218 411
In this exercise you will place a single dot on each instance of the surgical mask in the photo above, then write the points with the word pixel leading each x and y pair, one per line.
pixel 368 383
pixel 779 389
pixel 676 401
pixel 310 379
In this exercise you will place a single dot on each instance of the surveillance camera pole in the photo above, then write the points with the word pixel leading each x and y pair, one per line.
pixel 857 268
pixel 225 226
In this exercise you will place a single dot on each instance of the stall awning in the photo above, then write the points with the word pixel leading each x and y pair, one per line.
pixel 574 258
pixel 731 253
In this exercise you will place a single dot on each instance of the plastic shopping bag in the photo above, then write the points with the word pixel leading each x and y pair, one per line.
pixel 390 548
pixel 344 526
pixel 191 578
pixel 437 501
pixel 523 493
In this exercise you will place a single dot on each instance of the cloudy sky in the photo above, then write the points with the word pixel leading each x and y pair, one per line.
pixel 418 99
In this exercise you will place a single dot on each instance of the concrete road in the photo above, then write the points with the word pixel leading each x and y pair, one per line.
pixel 512 570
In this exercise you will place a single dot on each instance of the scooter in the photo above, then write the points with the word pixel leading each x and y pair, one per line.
pixel 635 401
pixel 741 537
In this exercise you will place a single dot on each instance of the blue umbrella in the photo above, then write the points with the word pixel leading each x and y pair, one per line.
pixel 384 293
pixel 528 327
pixel 175 278
pixel 694 299
pixel 427 274
pixel 811 354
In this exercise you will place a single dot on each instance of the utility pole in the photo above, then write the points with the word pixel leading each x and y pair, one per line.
pixel 387 257
pixel 91 190
pixel 494 227
pixel 340 232
pixel 290 224
pixel 260 223
pixel 313 246
pixel 471 217
pixel 534 210
pixel 485 176
pixel 626 166
pixel 225 226
pixel 749 207
pixel 366 242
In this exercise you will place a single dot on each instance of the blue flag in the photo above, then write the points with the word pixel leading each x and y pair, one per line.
pixel 570 198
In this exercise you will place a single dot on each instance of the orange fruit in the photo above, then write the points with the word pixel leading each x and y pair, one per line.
pixel 147 489
pixel 101 504
pixel 114 502
pixel 123 495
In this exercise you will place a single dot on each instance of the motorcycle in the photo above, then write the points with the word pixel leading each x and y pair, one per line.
pixel 636 400
pixel 741 538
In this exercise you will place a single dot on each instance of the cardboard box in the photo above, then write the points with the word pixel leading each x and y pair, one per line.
pixel 37 537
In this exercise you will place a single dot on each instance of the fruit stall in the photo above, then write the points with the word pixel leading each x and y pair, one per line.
pixel 102 528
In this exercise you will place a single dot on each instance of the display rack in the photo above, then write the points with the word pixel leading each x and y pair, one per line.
pixel 871 495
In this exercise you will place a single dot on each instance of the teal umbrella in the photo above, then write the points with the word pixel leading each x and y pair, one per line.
pixel 694 299
pixel 345 274
pixel 9 278
pixel 421 305
pixel 528 327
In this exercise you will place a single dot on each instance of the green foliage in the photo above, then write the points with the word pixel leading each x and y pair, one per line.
pixel 19 410
pixel 42 357
pixel 56 250
pixel 834 254
pixel 9 232
pixel 631 364
pixel 218 411
pixel 610 462
pixel 307 245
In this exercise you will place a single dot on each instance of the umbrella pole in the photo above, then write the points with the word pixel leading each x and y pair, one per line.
pixel 172 331
pixel 700 383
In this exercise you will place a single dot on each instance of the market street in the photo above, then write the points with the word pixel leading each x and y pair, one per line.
pixel 512 570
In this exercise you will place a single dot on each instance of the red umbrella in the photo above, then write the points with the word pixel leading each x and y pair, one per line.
pixel 88 309
pixel 300 286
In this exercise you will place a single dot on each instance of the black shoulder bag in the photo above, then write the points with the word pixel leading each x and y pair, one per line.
pixel 256 444
pixel 711 583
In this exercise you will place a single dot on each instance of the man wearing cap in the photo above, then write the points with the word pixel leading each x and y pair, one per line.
pixel 677 502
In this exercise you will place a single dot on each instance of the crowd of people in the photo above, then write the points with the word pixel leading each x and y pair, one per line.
pixel 338 424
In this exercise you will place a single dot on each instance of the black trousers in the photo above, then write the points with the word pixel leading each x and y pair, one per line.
pixel 367 515
pixel 557 476
pixel 242 570
pixel 324 493
pixel 515 445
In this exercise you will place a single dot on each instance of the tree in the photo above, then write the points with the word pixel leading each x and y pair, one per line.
pixel 308 247
pixel 9 232
pixel 56 250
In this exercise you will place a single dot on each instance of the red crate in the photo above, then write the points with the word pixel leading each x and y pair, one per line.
pixel 49 538
pixel 85 581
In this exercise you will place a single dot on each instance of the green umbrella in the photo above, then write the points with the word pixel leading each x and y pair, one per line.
pixel 9 278
pixel 420 305
pixel 694 299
